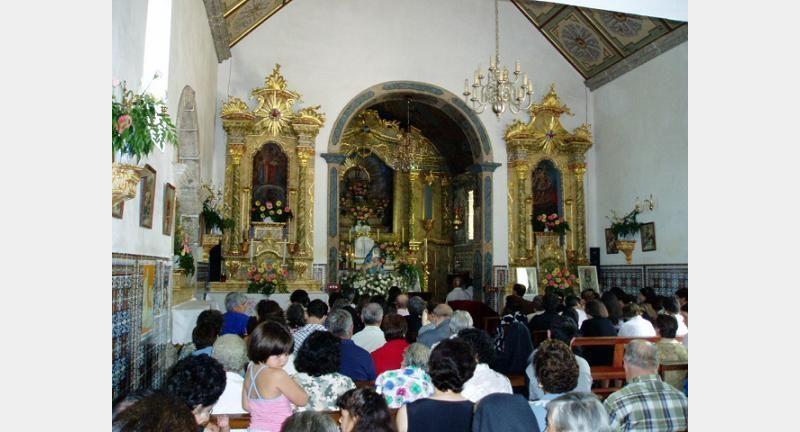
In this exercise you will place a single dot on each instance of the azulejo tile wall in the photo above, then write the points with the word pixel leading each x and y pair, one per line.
pixel 140 288
pixel 665 279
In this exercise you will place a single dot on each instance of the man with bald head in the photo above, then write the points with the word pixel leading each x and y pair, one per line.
pixel 646 403
pixel 441 319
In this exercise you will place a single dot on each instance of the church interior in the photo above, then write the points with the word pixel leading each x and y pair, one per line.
pixel 363 144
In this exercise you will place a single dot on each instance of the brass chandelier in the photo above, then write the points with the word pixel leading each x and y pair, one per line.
pixel 498 91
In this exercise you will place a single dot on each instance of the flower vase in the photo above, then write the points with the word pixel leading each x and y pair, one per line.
pixel 268 219
pixel 627 247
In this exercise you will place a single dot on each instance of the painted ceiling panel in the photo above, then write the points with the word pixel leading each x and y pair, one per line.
pixel 242 17
pixel 593 40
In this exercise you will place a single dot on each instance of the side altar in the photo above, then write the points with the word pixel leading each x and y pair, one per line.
pixel 269 186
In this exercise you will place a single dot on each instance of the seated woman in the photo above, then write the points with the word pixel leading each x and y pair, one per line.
pixel 513 345
pixel 452 364
pixel 557 372
pixel 309 421
pixel 670 350
pixel 390 355
pixel 317 364
pixel 598 324
pixel 501 412
pixel 363 410
pixel 577 412
pixel 634 325
pixel 410 382
pixel 159 411
pixel 266 310
pixel 295 317
pixel 231 352
pixel 199 382
pixel 208 318
pixel 484 381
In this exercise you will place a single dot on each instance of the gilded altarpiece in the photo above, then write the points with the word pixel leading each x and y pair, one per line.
pixel 535 149
pixel 276 134
pixel 405 169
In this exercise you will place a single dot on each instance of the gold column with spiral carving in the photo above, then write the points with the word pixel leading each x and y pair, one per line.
pixel 521 169
pixel 235 152
pixel 304 201
pixel 579 169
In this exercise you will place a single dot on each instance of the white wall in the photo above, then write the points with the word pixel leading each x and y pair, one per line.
pixel 192 62
pixel 641 140
pixel 331 51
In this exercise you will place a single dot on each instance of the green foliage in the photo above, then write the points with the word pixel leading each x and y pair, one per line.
pixel 627 226
pixel 410 274
pixel 139 122
pixel 214 219
pixel 186 262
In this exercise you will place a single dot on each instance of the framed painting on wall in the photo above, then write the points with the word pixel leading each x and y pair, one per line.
pixel 648 234
pixel 587 276
pixel 117 209
pixel 147 196
pixel 611 242
pixel 169 208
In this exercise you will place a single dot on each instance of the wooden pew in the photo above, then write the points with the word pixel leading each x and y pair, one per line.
pixel 616 371
pixel 242 421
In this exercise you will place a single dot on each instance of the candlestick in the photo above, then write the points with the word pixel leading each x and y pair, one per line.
pixel 402 235
pixel 425 241
pixel 350 235
pixel 530 239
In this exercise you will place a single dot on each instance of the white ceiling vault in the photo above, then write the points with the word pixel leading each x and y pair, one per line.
pixel 601 39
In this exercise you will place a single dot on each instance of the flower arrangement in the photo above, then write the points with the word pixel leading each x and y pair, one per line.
pixel 358 189
pixel 211 211
pixel 627 226
pixel 373 283
pixel 560 281
pixel 139 122
pixel 185 260
pixel 277 211
pixel 551 222
pixel 389 250
pixel 360 213
pixel 266 279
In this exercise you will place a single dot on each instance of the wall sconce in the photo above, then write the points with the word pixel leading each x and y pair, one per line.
pixel 649 204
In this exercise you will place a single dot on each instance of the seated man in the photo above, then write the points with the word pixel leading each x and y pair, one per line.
pixel 525 305
pixel 542 321
pixel 235 320
pixel 315 318
pixel 458 292
pixel 646 403
pixel 371 337
pixel 565 330
pixel 356 361
pixel 440 318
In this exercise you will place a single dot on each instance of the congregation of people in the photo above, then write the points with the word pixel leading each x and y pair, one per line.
pixel 400 363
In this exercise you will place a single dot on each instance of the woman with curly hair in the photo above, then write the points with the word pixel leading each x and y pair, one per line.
pixel 317 363
pixel 557 372
pixel 452 363
pixel 363 410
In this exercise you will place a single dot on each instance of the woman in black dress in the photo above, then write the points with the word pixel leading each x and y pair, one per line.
pixel 598 324
pixel 451 364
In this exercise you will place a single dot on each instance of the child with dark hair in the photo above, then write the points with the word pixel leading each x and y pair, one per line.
pixel 364 410
pixel 268 390
pixel 300 296
pixel 451 364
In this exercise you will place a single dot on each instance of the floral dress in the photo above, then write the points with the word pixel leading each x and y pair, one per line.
pixel 401 386
pixel 323 390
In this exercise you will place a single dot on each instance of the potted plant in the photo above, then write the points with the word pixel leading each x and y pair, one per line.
pixel 215 223
pixel 139 123
pixel 625 229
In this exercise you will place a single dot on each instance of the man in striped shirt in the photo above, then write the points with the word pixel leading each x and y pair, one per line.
pixel 646 403
pixel 316 313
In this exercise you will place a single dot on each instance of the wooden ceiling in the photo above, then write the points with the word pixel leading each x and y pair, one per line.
pixel 600 45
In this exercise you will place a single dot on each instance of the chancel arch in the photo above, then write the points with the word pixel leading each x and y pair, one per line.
pixel 432 165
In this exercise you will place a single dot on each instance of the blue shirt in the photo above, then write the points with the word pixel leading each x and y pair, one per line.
pixel 235 323
pixel 539 408
pixel 356 362
pixel 207 351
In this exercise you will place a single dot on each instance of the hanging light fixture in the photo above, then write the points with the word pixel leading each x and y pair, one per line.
pixel 498 91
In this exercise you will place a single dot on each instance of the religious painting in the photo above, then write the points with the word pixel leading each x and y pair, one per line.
pixel 148 296
pixel 648 234
pixel 270 175
pixel 147 197
pixel 169 208
pixel 611 242
pixel 117 209
pixel 368 192
pixel 587 276
pixel 500 276
pixel 546 189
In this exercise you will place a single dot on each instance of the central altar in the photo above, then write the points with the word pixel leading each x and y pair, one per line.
pixel 269 186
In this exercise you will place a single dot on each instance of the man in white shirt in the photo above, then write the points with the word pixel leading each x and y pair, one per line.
pixel 458 293
pixel 371 338
pixel 635 325
pixel 484 380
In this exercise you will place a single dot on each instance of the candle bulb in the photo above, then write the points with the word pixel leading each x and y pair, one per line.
pixel 516 67
pixel 466 86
